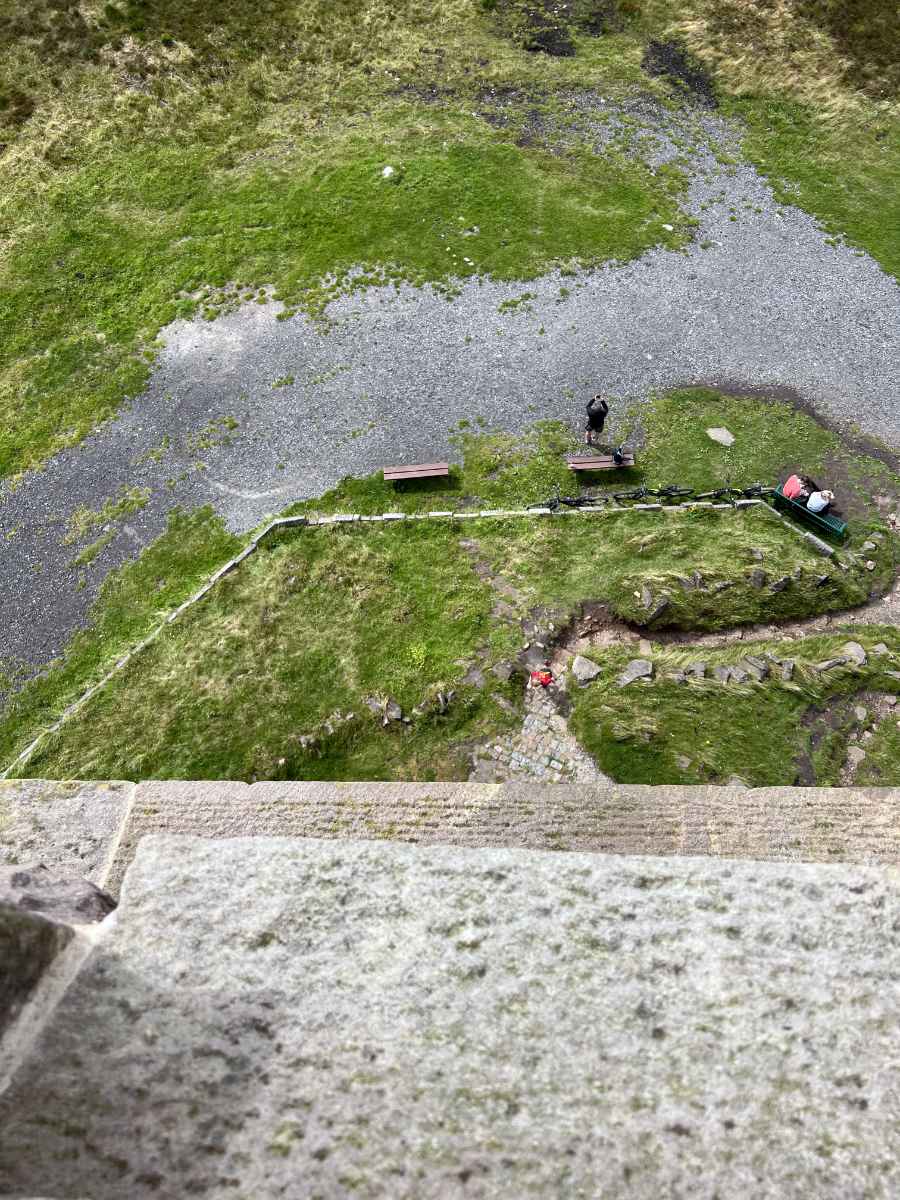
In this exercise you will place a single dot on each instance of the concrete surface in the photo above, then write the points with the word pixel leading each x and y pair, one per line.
pixel 267 1018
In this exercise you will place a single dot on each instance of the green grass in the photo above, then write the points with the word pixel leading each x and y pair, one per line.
pixel 881 766
pixel 847 175
pixel 131 602
pixel 315 624
pixel 754 731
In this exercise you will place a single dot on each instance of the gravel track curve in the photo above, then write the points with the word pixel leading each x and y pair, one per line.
pixel 762 299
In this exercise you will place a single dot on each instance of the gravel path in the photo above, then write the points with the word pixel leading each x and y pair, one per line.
pixel 760 300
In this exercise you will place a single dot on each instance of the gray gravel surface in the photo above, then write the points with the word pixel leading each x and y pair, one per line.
pixel 759 300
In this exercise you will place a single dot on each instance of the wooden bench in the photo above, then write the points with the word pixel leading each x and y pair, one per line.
pixel 415 471
pixel 824 522
pixel 597 462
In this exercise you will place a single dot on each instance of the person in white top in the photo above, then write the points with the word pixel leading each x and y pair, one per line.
pixel 820 501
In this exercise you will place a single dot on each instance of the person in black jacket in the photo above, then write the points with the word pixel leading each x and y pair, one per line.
pixel 597 408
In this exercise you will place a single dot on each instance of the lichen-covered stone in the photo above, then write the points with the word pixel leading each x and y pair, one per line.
pixel 377 1020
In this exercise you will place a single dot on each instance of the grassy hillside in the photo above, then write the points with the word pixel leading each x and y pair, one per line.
pixel 162 158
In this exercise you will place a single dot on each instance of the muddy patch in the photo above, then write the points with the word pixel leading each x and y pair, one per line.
pixel 672 62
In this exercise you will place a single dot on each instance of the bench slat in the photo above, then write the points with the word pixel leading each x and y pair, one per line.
pixel 597 462
pixel 416 471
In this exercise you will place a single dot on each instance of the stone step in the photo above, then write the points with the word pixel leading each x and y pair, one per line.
pixel 93 829
pixel 302 1017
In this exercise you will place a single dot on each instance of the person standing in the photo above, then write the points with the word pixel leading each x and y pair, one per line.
pixel 597 409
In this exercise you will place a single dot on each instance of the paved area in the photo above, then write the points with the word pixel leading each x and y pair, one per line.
pixel 543 749
pixel 276 1017
pixel 759 300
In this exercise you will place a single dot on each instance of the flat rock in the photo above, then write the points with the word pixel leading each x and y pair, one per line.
pixel 474 677
pixel 780 584
pixel 638 668
pixel 385 1020
pixel 738 674
pixel 860 713
pixel 880 648
pixel 755 666
pixel 70 826
pixel 854 652
pixel 63 898
pixel 829 664
pixel 758 578
pixel 658 609
pixel 502 671
pixel 736 781
pixel 721 435
pixel 698 670
pixel 787 670
pixel 855 755
pixel 584 669
pixel 723 674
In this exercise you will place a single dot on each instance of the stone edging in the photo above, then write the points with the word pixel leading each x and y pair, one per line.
pixel 351 518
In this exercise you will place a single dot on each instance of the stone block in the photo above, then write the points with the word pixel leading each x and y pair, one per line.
pixel 392 1021
pixel 69 826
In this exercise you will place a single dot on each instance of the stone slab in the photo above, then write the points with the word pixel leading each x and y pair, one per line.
pixel 270 1018
pixel 69 826
pixel 793 824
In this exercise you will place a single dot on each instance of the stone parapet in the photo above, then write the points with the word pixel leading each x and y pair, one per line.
pixel 93 829
pixel 268 1017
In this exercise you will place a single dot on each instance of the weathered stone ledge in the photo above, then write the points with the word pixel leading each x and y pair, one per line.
pixel 93 829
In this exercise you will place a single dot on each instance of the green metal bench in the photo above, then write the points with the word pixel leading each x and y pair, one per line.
pixel 823 522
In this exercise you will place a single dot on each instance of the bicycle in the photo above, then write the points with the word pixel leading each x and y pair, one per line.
pixel 756 491
pixel 640 493
pixel 673 491
pixel 722 493
pixel 558 501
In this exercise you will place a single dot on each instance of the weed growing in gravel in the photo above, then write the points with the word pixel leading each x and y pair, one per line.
pixel 83 520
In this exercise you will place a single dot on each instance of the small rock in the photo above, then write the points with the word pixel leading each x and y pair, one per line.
pixel 880 648
pixel 755 667
pixel 757 554
pixel 890 701
pixel 723 674
pixel 787 670
pixel 869 565
pixel 735 781
pixel 855 755
pixel 65 899
pixel 668 228
pixel 829 664
pixel 638 668
pixel 869 546
pixel 373 704
pixel 646 596
pixel 867 735
pixel 645 648
pixel 660 607
pixel 683 762
pixel 853 652
pixel 861 714
pixel 758 578
pixel 739 675
pixel 821 580
pixel 677 677
pixel 584 669
pixel 723 585
pixel 392 712
pixel 877 537
pixel 474 677
pixel 698 670
pixel 721 435
pixel 502 671
pixel 780 584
